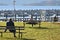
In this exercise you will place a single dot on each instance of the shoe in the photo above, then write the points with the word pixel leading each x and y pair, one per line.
pixel 14 36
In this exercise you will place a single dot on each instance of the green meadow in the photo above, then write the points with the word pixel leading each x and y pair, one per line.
pixel 47 31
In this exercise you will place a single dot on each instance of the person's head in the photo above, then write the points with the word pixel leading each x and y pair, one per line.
pixel 10 19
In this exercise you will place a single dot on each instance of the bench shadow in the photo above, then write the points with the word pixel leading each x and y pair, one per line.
pixel 19 38
pixel 39 27
pixel 7 38
pixel 28 39
pixel 42 28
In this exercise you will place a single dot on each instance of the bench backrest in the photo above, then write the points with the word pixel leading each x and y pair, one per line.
pixel 16 27
pixel 20 28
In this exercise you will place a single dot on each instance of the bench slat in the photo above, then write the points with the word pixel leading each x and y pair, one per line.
pixel 16 27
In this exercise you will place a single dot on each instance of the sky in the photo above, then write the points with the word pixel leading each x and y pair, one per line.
pixel 19 2
pixel 29 4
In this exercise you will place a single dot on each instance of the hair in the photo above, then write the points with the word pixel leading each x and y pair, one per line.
pixel 10 19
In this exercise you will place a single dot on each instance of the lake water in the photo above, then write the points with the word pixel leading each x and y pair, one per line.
pixel 29 7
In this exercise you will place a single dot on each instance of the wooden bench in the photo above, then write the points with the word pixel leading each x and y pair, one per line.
pixel 19 28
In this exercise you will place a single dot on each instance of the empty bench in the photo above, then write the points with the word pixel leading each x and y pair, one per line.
pixel 19 28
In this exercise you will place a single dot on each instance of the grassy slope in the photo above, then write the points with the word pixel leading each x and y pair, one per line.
pixel 48 31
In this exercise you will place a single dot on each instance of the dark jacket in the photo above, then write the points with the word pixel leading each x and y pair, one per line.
pixel 10 23
pixel 10 26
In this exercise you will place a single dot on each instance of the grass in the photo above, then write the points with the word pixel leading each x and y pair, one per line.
pixel 47 31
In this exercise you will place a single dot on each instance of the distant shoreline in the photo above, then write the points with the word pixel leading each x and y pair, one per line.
pixel 29 7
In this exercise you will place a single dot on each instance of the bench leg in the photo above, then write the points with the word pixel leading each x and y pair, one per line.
pixel 1 34
pixel 21 35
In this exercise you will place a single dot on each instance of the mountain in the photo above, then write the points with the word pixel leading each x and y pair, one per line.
pixel 45 3
pixel 3 4
pixel 50 3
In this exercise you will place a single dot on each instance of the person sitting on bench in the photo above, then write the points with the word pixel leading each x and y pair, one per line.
pixel 10 26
